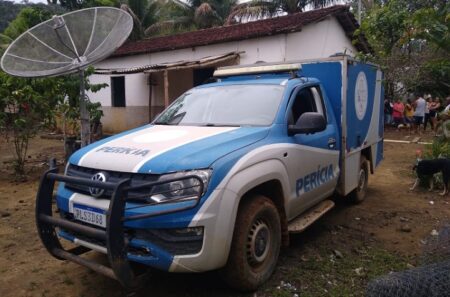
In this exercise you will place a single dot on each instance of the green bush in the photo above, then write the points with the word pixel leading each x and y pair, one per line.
pixel 440 148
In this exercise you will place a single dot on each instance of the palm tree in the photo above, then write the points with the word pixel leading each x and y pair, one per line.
pixel 145 13
pixel 192 14
pixel 257 9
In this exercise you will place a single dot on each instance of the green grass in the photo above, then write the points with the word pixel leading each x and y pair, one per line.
pixel 325 275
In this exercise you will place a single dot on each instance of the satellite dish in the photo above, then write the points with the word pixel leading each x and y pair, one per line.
pixel 67 44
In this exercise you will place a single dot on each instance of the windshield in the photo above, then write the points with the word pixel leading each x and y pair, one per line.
pixel 232 105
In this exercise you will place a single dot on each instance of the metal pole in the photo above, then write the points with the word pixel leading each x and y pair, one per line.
pixel 84 114
pixel 359 12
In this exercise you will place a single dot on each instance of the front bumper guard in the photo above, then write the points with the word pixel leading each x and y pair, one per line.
pixel 114 235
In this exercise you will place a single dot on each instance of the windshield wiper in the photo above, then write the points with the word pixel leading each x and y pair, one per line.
pixel 164 123
pixel 220 125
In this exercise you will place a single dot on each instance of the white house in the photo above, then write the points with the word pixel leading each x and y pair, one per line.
pixel 147 75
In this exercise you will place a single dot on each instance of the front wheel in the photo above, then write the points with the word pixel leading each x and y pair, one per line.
pixel 256 244
pixel 359 194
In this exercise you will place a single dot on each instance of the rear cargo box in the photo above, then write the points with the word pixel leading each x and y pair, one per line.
pixel 356 92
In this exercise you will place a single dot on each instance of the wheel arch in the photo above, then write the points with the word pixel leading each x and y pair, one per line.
pixel 268 178
pixel 367 153
pixel 273 190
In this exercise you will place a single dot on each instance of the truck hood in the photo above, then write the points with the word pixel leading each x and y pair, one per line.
pixel 162 149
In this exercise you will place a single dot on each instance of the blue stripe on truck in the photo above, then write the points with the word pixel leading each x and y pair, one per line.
pixel 202 153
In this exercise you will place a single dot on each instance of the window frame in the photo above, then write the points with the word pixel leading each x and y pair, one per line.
pixel 113 93
pixel 316 93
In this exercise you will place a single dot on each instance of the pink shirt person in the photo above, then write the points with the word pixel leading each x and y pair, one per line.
pixel 398 109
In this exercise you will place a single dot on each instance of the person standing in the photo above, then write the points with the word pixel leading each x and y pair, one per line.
pixel 427 118
pixel 387 112
pixel 419 113
pixel 397 113
pixel 446 112
pixel 434 108
pixel 409 113
pixel 443 117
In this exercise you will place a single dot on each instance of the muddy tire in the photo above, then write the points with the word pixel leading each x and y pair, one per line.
pixel 256 245
pixel 359 194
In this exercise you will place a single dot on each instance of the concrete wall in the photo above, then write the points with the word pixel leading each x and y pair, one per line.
pixel 317 40
pixel 136 112
pixel 118 119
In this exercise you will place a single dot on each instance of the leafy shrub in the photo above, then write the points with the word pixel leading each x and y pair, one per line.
pixel 440 148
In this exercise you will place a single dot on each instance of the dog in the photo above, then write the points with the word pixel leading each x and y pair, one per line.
pixel 430 168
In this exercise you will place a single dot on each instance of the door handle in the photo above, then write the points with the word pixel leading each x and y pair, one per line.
pixel 331 143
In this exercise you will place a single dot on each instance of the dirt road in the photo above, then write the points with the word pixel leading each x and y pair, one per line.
pixel 335 257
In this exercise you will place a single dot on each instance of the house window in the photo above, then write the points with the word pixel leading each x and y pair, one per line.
pixel 306 100
pixel 118 91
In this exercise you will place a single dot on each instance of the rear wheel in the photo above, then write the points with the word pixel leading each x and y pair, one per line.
pixel 256 244
pixel 359 194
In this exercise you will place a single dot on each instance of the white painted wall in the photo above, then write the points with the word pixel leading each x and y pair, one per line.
pixel 317 40
pixel 136 89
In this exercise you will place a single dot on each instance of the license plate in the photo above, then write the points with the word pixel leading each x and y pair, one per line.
pixel 89 214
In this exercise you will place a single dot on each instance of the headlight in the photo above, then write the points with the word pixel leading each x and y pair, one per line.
pixel 180 186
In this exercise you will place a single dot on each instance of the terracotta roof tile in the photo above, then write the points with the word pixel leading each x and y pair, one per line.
pixel 266 27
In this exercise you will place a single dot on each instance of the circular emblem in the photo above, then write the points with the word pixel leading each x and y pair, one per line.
pixel 361 95
pixel 96 192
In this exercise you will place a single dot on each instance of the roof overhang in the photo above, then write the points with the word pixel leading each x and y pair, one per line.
pixel 179 65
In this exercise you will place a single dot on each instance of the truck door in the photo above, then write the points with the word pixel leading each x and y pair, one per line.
pixel 315 167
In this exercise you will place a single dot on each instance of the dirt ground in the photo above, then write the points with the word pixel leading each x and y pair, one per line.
pixel 337 256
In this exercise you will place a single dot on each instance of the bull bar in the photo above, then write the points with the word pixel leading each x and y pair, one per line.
pixel 114 235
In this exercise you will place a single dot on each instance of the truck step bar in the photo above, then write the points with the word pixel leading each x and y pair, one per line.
pixel 113 235
pixel 302 222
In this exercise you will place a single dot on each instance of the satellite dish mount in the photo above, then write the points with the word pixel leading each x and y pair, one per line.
pixel 85 132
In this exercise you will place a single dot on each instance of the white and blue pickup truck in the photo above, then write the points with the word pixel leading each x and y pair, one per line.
pixel 222 176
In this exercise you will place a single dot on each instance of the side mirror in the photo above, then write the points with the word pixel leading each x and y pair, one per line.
pixel 308 123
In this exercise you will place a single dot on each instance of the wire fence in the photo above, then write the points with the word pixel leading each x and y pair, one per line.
pixel 431 279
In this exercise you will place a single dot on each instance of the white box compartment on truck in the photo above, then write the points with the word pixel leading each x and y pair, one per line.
pixel 355 91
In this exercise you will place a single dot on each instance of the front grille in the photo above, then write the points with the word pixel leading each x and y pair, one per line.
pixel 176 247
pixel 113 177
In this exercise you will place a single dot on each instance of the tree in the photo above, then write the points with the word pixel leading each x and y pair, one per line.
pixel 8 12
pixel 79 4
pixel 178 15
pixel 28 17
pixel 26 105
pixel 145 13
pixel 411 42
pixel 257 9
pixel 432 25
